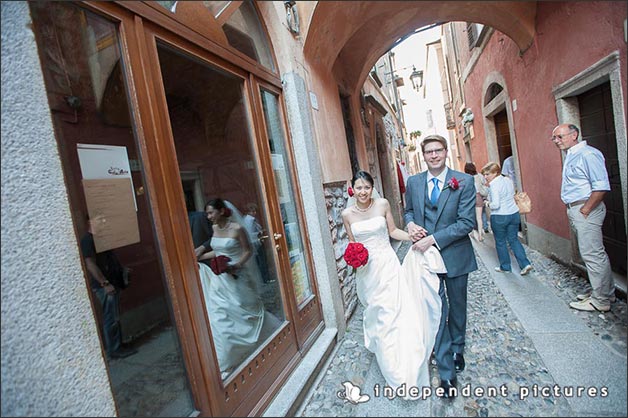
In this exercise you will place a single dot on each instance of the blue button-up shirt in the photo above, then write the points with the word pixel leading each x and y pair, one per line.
pixel 583 172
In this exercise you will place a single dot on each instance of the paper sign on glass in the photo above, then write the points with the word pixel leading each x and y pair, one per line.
pixel 105 162
pixel 110 204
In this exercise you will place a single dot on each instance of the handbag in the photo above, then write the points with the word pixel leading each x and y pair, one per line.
pixel 523 202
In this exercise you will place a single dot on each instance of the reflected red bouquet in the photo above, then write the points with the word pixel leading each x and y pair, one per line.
pixel 219 264
pixel 356 255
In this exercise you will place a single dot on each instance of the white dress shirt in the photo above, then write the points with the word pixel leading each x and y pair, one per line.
pixel 584 172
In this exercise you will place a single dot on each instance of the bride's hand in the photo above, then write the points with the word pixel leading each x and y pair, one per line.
pixel 424 243
pixel 232 268
pixel 416 232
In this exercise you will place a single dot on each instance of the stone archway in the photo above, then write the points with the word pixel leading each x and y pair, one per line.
pixel 348 37
pixel 343 40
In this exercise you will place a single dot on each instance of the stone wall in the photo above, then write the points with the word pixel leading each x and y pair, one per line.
pixel 336 200
pixel 51 355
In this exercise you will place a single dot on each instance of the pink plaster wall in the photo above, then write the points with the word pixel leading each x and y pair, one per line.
pixel 571 36
pixel 329 127
pixel 329 131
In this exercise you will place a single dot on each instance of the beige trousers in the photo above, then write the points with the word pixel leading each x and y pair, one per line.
pixel 591 246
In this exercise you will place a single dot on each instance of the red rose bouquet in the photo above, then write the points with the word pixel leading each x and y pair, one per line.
pixel 219 264
pixel 356 255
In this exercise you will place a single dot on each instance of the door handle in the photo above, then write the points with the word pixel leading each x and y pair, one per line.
pixel 277 236
pixel 263 237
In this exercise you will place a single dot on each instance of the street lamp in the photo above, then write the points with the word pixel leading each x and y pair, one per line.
pixel 417 78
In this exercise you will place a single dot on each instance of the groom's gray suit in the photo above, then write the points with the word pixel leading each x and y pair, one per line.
pixel 450 222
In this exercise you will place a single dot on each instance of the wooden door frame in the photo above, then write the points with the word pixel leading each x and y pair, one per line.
pixel 308 314
pixel 274 360
pixel 247 390
pixel 606 69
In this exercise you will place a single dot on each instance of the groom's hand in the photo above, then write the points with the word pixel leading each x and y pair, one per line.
pixel 416 232
pixel 424 243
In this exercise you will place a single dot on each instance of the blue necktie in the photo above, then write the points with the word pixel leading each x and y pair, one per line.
pixel 435 192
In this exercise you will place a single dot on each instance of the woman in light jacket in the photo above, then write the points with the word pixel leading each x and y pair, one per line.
pixel 505 219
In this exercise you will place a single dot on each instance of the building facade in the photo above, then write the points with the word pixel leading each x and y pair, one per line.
pixel 517 98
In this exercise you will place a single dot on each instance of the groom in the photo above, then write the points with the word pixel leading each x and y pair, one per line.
pixel 440 210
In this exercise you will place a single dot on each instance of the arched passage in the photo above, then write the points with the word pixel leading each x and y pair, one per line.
pixel 347 38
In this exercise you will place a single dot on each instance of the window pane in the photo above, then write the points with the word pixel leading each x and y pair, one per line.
pixel 289 214
pixel 87 92
pixel 216 7
pixel 170 5
pixel 245 33
pixel 214 145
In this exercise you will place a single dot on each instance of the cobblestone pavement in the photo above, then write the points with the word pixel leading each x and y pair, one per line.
pixel 498 353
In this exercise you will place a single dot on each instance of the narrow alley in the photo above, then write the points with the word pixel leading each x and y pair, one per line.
pixel 521 337
pixel 192 166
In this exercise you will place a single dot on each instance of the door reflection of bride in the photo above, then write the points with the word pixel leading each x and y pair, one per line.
pixel 238 320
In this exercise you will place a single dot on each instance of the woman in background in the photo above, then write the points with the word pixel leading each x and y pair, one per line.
pixel 505 219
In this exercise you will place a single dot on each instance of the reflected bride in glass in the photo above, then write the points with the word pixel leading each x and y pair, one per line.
pixel 238 320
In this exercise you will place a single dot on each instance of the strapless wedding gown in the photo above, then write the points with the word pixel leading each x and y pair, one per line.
pixel 402 306
pixel 237 317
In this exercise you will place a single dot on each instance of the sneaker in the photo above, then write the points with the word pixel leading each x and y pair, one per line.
pixel 611 299
pixel 527 269
pixel 123 353
pixel 589 305
pixel 499 270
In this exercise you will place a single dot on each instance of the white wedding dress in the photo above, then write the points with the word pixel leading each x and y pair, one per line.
pixel 237 317
pixel 402 307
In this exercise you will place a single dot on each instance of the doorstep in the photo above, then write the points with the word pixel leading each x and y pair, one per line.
pixel 290 396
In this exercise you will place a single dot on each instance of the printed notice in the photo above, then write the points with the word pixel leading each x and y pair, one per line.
pixel 105 162
pixel 111 202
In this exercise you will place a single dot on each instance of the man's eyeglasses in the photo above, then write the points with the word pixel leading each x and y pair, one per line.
pixel 555 137
pixel 434 151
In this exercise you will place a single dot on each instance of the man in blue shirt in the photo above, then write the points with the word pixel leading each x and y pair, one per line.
pixel 508 170
pixel 585 181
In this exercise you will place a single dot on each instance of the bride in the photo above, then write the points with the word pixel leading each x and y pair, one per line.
pixel 237 316
pixel 402 305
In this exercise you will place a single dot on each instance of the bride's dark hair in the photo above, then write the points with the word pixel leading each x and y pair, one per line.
pixel 219 204
pixel 364 175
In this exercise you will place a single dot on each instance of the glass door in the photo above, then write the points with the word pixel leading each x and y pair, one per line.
pixel 231 253
pixel 209 122
pixel 307 308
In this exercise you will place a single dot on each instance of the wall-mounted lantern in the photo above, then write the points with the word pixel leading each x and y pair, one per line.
pixel 417 78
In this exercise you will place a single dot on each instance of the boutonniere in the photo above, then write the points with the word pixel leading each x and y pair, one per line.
pixel 452 184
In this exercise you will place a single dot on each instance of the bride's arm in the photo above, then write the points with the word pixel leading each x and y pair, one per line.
pixel 347 224
pixel 393 231
pixel 207 255
pixel 246 247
